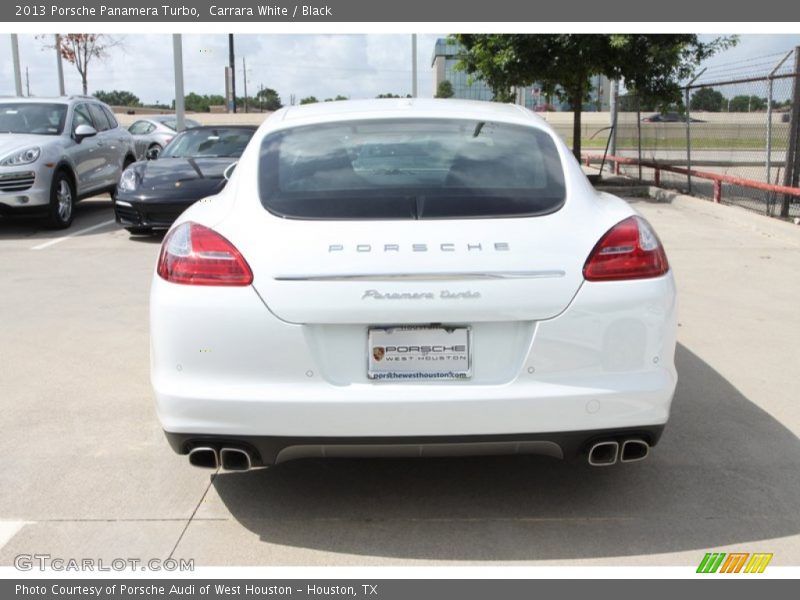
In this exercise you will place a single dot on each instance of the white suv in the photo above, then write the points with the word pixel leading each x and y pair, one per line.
pixel 55 151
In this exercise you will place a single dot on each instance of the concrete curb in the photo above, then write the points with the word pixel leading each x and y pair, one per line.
pixel 735 215
pixel 742 217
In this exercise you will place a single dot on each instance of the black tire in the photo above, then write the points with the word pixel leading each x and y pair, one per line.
pixel 61 210
pixel 139 230
pixel 153 147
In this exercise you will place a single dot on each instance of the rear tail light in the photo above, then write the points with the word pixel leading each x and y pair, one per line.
pixel 195 255
pixel 629 250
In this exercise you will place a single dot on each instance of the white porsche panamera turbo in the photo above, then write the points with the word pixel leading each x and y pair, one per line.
pixel 411 278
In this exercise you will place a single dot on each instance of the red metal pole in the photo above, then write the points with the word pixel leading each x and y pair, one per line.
pixel 716 177
pixel 717 191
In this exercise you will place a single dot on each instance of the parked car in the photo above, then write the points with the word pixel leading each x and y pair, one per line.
pixel 670 117
pixel 152 193
pixel 476 296
pixel 151 134
pixel 56 151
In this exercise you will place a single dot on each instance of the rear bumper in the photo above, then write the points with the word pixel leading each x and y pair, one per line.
pixel 318 410
pixel 270 450
pixel 223 365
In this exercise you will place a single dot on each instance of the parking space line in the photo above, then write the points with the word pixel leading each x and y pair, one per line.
pixel 71 235
pixel 8 529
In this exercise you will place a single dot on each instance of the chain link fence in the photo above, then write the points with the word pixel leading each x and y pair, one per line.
pixel 745 126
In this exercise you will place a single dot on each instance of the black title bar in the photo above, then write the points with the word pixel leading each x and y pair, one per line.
pixel 454 11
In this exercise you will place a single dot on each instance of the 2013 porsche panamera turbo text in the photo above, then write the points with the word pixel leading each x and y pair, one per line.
pixel 411 278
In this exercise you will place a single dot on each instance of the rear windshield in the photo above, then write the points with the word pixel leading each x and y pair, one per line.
pixel 210 142
pixel 410 169
pixel 171 123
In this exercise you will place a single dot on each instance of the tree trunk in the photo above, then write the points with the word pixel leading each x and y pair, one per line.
pixel 85 85
pixel 577 108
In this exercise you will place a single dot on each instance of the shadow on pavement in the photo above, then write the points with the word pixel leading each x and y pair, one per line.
pixel 725 472
pixel 151 238
pixel 87 213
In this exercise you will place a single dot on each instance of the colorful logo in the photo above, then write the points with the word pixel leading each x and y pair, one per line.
pixel 735 562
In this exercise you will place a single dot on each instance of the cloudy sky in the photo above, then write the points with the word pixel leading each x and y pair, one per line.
pixel 357 66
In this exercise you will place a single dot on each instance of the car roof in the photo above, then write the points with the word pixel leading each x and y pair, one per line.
pixel 43 99
pixel 346 110
pixel 243 127
pixel 162 118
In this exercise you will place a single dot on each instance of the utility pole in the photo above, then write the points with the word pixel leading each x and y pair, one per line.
pixel 244 82
pixel 413 65
pixel 27 83
pixel 177 54
pixel 232 65
pixel 614 112
pixel 60 67
pixel 15 59
pixel 261 97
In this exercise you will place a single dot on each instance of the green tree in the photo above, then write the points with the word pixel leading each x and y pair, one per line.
pixel 747 104
pixel 309 100
pixel 388 96
pixel 118 98
pixel 444 89
pixel 651 65
pixel 707 99
pixel 197 103
pixel 269 99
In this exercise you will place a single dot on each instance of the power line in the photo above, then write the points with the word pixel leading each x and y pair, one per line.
pixel 746 60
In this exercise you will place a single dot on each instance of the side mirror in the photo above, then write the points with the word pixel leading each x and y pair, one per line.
pixel 152 153
pixel 84 131
pixel 229 171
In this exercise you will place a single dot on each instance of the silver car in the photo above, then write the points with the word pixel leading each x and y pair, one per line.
pixel 151 134
pixel 56 151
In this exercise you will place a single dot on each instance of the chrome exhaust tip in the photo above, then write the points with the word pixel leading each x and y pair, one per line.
pixel 235 459
pixel 634 450
pixel 203 457
pixel 604 454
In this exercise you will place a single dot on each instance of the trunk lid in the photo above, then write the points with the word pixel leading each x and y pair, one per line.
pixel 397 272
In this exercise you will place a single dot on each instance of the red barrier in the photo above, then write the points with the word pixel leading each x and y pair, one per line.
pixel 717 178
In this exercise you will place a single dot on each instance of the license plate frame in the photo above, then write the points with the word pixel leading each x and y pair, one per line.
pixel 407 353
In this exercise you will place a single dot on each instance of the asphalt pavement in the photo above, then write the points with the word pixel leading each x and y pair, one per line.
pixel 88 474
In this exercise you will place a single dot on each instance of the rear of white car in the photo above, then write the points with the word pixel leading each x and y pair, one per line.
pixel 411 278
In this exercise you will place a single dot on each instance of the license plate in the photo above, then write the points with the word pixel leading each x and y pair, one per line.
pixel 417 353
